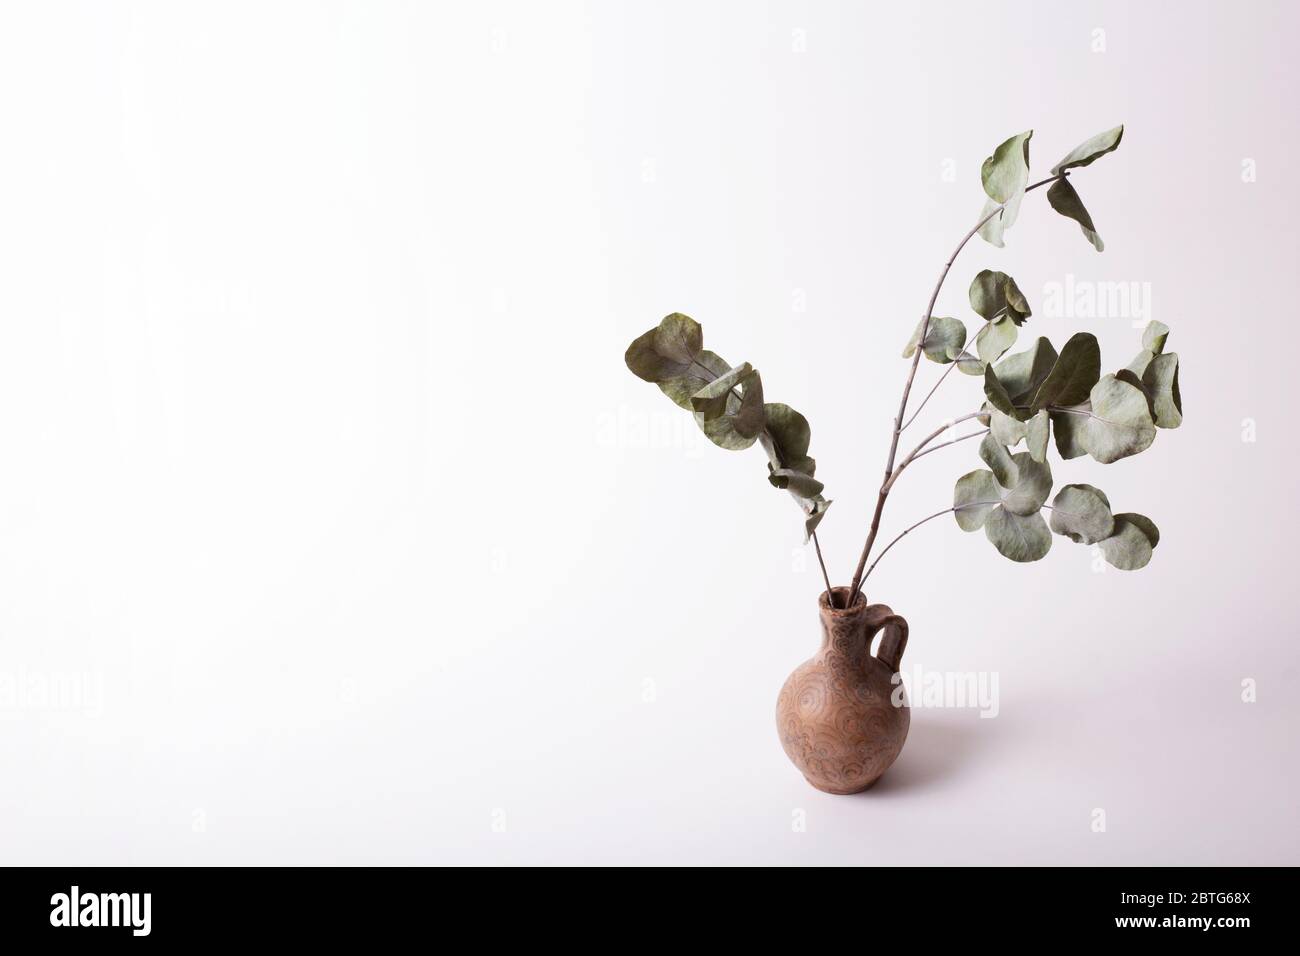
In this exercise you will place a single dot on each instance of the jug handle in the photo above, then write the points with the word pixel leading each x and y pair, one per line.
pixel 893 641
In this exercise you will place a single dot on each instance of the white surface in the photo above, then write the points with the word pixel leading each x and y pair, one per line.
pixel 324 479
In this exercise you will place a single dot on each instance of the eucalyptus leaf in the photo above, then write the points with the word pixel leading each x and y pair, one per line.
pixel 1006 173
pixel 996 225
pixel 1127 547
pixel 1022 373
pixel 1117 422
pixel 711 400
pixel 1033 483
pixel 1140 362
pixel 1066 201
pixel 944 339
pixel 999 461
pixel 788 437
pixel 704 369
pixel 743 417
pixel 813 516
pixel 751 417
pixel 993 340
pixel 722 432
pixel 1161 381
pixel 974 498
pixel 997 395
pixel 707 368
pixel 1076 371
pixel 1154 337
pixel 995 295
pixel 968 364
pixel 1090 150
pixel 1021 538
pixel 1125 375
pixel 746 418
pixel 797 482
pixel 1037 431
pixel 667 350
pixel 1067 427
pixel 1005 429
pixel 1146 524
pixel 1082 514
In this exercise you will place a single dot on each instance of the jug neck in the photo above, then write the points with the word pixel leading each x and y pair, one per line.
pixel 844 630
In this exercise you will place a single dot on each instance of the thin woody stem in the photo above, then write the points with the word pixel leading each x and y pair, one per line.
pixel 946 372
pixel 969 504
pixel 917 451
pixel 817 545
pixel 900 538
pixel 919 408
pixel 982 431
pixel 907 391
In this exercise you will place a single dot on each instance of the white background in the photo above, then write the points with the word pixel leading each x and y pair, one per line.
pixel 329 503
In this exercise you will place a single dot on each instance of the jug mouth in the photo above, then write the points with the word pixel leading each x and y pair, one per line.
pixel 841 593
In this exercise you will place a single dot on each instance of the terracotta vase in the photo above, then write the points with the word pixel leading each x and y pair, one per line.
pixel 836 713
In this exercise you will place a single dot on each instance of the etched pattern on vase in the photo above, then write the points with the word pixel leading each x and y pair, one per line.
pixel 835 714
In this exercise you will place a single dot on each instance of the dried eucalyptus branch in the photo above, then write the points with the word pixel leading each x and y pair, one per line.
pixel 998 211
pixel 1030 396
pixel 917 451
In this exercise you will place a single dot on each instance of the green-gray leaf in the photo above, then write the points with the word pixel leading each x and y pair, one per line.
pixel 995 295
pixel 1006 173
pixel 1021 538
pixel 819 506
pixel 974 498
pixel 751 417
pixel 791 435
pixel 744 416
pixel 968 364
pixel 1128 547
pixel 667 350
pixel 944 339
pixel 997 395
pixel 993 340
pixel 1076 371
pixel 1161 381
pixel 1154 337
pixel 704 369
pixel 1007 430
pixel 999 461
pixel 1037 431
pixel 711 400
pixel 1125 375
pixel 1082 514
pixel 722 432
pixel 1066 201
pixel 996 225
pixel 1146 524
pixel 797 482
pixel 1118 422
pixel 1033 483
pixel 1090 150
pixel 1068 429
pixel 1140 362
pixel 1023 372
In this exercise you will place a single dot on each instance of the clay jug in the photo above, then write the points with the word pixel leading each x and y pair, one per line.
pixel 836 713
